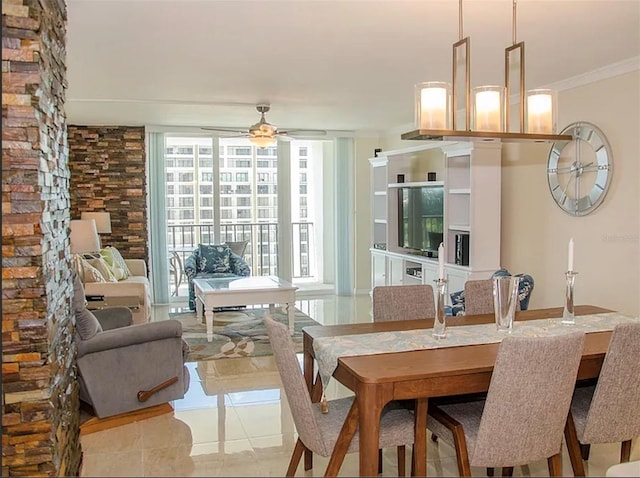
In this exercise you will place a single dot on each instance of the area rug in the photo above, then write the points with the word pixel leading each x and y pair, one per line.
pixel 236 333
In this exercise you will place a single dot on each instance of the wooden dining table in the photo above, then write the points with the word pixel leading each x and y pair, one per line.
pixel 420 375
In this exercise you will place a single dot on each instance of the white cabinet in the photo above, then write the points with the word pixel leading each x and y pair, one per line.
pixel 471 175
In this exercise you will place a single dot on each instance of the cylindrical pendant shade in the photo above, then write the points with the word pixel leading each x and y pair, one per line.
pixel 540 111
pixel 488 108
pixel 433 105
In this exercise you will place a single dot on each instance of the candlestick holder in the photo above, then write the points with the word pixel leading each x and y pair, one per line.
pixel 439 322
pixel 568 315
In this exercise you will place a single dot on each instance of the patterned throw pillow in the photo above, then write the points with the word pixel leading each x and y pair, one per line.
pixel 214 258
pixel 90 273
pixel 115 262
pixel 103 268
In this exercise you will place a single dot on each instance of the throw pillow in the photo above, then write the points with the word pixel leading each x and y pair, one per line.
pixel 90 273
pixel 214 258
pixel 116 263
pixel 103 268
pixel 87 324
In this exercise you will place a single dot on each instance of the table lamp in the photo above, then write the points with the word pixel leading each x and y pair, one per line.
pixel 84 240
pixel 103 222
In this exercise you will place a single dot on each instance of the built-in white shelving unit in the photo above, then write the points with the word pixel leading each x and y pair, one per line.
pixel 471 175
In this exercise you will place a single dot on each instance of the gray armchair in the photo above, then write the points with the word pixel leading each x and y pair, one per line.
pixel 124 367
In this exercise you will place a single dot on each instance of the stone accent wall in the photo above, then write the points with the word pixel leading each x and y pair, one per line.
pixel 108 174
pixel 40 406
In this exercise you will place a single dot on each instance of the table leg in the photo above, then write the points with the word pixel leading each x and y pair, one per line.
pixel 420 444
pixel 370 405
pixel 199 308
pixel 208 315
pixel 291 314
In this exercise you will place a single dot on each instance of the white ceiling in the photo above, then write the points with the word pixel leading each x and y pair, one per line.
pixel 337 65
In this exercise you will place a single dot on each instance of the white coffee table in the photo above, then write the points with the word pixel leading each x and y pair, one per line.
pixel 232 291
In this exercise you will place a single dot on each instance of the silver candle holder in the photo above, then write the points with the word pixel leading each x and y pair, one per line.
pixel 569 315
pixel 439 322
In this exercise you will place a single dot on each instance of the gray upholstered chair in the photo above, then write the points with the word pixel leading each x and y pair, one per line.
pixel 609 411
pixel 403 302
pixel 523 416
pixel 478 297
pixel 124 367
pixel 319 432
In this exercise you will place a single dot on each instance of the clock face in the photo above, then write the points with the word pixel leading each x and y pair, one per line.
pixel 579 171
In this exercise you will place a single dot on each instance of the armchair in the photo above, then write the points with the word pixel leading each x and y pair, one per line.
pixel 213 261
pixel 124 367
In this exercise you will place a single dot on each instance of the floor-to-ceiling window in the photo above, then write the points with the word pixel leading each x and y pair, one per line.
pixel 231 194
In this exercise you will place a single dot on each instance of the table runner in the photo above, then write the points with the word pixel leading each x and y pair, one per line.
pixel 328 349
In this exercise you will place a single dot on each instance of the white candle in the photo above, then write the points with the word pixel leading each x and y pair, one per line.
pixel 540 113
pixel 488 111
pixel 441 261
pixel 570 264
pixel 433 108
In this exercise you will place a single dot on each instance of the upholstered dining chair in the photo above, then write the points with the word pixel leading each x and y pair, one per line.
pixel 319 431
pixel 523 416
pixel 608 412
pixel 478 297
pixel 402 302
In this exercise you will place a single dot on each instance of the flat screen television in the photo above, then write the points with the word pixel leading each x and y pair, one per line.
pixel 421 218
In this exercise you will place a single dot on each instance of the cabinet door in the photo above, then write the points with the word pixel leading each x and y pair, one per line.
pixel 396 271
pixel 456 280
pixel 378 269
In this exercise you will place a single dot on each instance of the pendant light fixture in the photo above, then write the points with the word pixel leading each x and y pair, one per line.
pixel 486 108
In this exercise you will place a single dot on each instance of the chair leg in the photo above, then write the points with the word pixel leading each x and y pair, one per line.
pixel 555 465
pixel 295 458
pixel 507 471
pixel 379 461
pixel 462 455
pixel 308 460
pixel 344 439
pixel 625 451
pixel 402 470
pixel 573 446
pixel 584 451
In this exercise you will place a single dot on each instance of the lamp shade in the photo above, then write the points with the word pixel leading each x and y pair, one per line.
pixel 262 141
pixel 84 236
pixel 103 221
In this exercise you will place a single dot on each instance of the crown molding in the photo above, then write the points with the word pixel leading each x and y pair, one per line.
pixel 599 74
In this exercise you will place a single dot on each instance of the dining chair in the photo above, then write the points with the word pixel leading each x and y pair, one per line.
pixel 608 412
pixel 478 297
pixel 523 416
pixel 317 431
pixel 403 302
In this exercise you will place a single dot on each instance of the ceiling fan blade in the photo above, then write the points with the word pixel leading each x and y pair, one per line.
pixel 304 132
pixel 226 130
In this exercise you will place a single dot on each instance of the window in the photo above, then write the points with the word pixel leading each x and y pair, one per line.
pixel 242 177
pixel 244 202
pixel 170 177
pixel 240 151
pixel 244 213
pixel 263 164
pixel 184 150
pixel 186 214
pixel 205 163
pixel 240 163
pixel 243 189
pixel 263 177
pixel 170 189
pixel 206 189
pixel 302 151
pixel 170 202
pixel 263 189
pixel 185 163
pixel 271 151
pixel 170 163
pixel 303 201
pixel 226 177
pixel 225 202
pixel 303 178
pixel 206 213
pixel 207 177
pixel 185 202
pixel 185 189
pixel 226 214
pixel 205 150
pixel 303 189
pixel 303 164
pixel 226 189
pixel 263 213
pixel 303 213
pixel 185 177
pixel 263 201
pixel 206 202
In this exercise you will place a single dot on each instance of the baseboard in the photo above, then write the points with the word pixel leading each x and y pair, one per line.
pixel 96 424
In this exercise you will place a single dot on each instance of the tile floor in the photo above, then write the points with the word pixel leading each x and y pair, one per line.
pixel 235 421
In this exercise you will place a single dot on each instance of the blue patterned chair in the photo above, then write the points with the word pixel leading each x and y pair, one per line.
pixel 524 293
pixel 213 261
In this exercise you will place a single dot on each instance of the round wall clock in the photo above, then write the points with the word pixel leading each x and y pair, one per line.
pixel 579 171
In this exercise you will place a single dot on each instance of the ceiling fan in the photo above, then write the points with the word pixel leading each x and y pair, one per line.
pixel 264 134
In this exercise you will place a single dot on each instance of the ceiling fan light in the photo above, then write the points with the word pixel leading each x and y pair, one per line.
pixel 263 141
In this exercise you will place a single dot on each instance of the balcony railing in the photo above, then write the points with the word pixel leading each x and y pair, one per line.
pixel 262 250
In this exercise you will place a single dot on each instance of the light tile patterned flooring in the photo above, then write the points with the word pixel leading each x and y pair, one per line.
pixel 235 421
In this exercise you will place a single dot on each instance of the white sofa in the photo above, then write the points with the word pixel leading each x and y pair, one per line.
pixel 136 285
